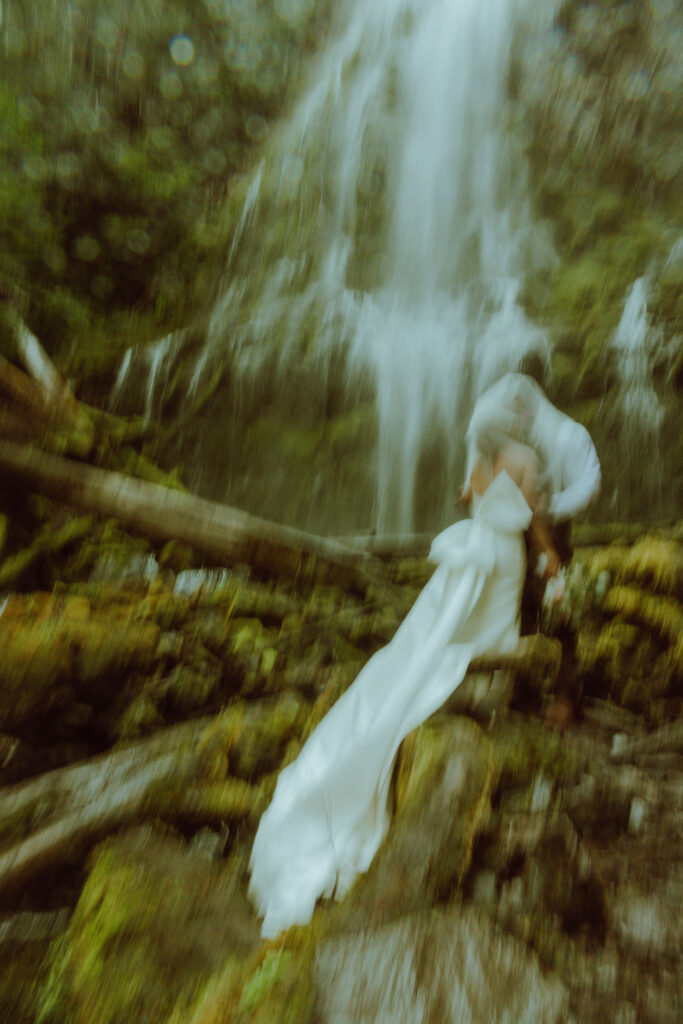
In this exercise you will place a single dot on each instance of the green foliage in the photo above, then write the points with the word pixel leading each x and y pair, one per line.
pixel 121 128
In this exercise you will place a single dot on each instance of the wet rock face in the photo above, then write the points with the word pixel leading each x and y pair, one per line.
pixel 445 966
pixel 600 123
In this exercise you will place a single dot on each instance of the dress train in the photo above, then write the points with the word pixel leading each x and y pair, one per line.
pixel 329 813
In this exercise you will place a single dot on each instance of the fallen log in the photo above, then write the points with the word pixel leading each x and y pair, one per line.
pixel 36 360
pixel 70 836
pixel 178 774
pixel 220 531
pixel 32 411
pixel 62 789
pixel 403 545
pixel 536 654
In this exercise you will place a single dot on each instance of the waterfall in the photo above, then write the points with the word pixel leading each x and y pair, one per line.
pixel 635 343
pixel 638 408
pixel 389 220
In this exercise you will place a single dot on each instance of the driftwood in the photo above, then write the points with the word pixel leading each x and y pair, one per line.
pixel 160 512
pixel 39 404
pixel 67 810
pixel 37 362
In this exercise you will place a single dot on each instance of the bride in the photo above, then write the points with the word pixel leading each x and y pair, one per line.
pixel 329 811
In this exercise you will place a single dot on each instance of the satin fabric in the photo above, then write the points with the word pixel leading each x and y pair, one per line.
pixel 329 812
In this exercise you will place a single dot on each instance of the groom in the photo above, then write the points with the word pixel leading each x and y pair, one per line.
pixel 572 478
pixel 570 462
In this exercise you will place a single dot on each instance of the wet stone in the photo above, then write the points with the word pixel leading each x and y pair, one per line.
pixel 453 966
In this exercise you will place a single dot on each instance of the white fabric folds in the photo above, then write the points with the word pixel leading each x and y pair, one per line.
pixel 329 813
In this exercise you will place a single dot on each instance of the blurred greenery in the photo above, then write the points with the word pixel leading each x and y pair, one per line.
pixel 123 126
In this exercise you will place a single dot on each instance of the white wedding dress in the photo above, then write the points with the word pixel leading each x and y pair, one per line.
pixel 329 811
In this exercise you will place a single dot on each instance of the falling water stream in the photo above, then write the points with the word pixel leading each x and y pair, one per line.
pixel 390 219
pixel 638 408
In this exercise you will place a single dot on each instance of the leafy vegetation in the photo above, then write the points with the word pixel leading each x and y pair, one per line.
pixel 123 128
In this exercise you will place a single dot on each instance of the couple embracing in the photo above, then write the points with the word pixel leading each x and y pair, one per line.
pixel 530 469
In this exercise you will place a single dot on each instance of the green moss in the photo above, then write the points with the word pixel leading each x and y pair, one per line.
pixel 131 462
pixel 169 611
pixel 177 556
pixel 523 748
pixel 653 562
pixel 112 648
pixel 36 658
pixel 275 984
pixel 668 303
pixel 248 739
pixel 154 922
pixel 49 541
pixel 664 616
pixel 140 717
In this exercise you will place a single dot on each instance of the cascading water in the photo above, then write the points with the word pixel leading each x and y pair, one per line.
pixel 396 226
pixel 635 342
pixel 388 220
pixel 639 410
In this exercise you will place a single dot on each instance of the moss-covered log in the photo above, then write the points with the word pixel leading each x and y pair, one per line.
pixel 224 532
pixel 185 773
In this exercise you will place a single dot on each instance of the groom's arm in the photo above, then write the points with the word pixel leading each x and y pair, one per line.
pixel 539 535
pixel 580 472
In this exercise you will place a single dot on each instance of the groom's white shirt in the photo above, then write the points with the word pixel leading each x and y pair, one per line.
pixel 577 469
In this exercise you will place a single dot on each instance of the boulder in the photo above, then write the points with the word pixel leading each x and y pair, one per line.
pixel 156 919
pixel 442 794
pixel 451 965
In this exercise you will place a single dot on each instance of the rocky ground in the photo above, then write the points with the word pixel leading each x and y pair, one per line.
pixel 533 869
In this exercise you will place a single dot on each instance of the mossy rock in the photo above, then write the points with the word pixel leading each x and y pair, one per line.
pixel 24 969
pixel 523 747
pixel 612 651
pixel 155 921
pixel 55 641
pixel 37 663
pixel 670 297
pixel 662 615
pixel 276 983
pixel 51 540
pixel 189 688
pixel 250 739
pixel 653 562
pixel 108 650
pixel 169 611
pixel 443 785
pixel 140 717
pixel 177 557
